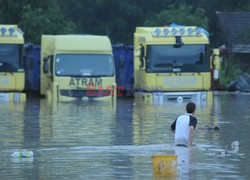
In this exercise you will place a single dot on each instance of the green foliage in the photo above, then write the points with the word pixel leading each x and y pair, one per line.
pixel 35 18
pixel 181 14
pixel 114 18
pixel 230 69
pixel 38 21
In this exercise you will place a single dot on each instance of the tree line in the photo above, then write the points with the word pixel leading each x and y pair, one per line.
pixel 115 18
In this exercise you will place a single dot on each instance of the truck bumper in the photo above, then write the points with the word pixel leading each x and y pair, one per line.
pixel 104 98
pixel 197 96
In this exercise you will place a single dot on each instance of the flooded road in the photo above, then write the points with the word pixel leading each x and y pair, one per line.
pixel 101 140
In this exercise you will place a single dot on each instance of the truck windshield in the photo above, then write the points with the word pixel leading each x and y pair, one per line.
pixel 84 65
pixel 177 58
pixel 10 58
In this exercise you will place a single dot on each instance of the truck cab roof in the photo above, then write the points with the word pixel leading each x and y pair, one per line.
pixel 77 43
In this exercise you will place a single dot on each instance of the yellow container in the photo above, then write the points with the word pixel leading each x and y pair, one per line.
pixel 164 165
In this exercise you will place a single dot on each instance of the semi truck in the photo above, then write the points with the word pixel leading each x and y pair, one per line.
pixel 12 75
pixel 77 67
pixel 174 62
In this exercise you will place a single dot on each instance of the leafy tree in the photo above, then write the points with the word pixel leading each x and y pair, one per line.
pixel 114 18
pixel 10 11
pixel 180 14
pixel 35 18
pixel 38 21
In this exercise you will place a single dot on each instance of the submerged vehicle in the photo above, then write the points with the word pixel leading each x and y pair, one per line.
pixel 175 62
pixel 77 67
pixel 12 75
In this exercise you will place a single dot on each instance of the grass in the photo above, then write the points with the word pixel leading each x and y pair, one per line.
pixel 230 69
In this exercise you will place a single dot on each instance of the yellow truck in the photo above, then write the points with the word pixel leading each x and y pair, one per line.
pixel 12 75
pixel 175 61
pixel 77 67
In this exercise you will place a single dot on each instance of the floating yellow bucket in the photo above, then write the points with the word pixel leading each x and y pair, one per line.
pixel 164 165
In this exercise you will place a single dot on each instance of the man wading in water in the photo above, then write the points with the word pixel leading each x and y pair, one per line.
pixel 184 127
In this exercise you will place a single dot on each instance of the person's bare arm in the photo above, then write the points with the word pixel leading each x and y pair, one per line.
pixel 191 135
pixel 172 127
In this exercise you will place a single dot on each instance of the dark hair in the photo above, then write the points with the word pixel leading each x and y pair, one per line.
pixel 190 108
pixel 216 128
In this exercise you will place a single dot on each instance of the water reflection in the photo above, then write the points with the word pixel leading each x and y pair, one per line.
pixel 76 123
pixel 95 139
pixel 12 118
pixel 31 128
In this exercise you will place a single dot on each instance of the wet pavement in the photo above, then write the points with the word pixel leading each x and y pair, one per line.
pixel 104 140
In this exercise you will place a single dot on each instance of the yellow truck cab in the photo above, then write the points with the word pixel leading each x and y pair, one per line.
pixel 174 61
pixel 12 76
pixel 77 67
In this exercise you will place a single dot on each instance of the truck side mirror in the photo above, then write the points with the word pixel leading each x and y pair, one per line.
pixel 45 65
pixel 216 64
pixel 215 59
pixel 142 56
pixel 45 68
pixel 51 60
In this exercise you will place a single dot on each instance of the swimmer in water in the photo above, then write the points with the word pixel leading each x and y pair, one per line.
pixel 216 128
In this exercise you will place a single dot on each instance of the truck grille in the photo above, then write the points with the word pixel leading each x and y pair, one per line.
pixel 84 93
